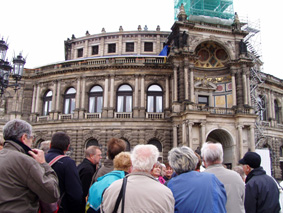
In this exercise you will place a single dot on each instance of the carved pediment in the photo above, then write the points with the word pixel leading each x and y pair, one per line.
pixel 205 85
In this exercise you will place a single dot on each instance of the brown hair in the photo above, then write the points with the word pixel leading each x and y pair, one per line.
pixel 199 162
pixel 114 147
pixel 122 161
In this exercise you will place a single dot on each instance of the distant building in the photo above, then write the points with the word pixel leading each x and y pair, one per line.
pixel 206 86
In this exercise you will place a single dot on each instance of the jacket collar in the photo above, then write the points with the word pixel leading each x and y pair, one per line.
pixel 255 172
pixel 18 145
pixel 142 174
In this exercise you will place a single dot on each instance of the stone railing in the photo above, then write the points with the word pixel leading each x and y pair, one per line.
pixel 65 116
pixel 92 115
pixel 102 61
pixel 218 110
pixel 154 115
pixel 123 115
pixel 42 118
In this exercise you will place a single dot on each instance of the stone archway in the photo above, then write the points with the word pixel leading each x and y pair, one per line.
pixel 225 138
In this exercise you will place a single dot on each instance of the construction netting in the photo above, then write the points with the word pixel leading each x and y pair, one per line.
pixel 222 9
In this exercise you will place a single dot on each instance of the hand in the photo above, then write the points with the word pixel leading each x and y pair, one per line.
pixel 38 155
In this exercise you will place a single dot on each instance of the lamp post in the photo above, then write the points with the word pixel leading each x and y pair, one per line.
pixel 6 70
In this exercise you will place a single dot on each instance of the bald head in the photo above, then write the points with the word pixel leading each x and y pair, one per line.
pixel 212 153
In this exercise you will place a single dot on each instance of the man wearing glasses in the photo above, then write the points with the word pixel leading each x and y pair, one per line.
pixel 25 175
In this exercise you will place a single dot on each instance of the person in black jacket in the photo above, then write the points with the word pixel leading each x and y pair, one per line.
pixel 71 191
pixel 87 168
pixel 262 194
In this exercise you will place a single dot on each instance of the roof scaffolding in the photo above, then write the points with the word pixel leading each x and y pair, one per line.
pixel 222 9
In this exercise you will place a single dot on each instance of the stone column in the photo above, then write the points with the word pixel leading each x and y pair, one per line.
pixel 245 89
pixel 105 96
pixel 111 108
pixel 86 53
pixel 252 138
pixel 186 82
pixel 240 134
pixel 83 101
pixel 142 92
pixel 190 126
pixel 202 129
pixel 167 93
pixel 78 93
pixel 139 45
pixel 33 99
pixel 248 88
pixel 53 107
pixel 58 97
pixel 175 98
pixel 234 96
pixel 184 133
pixel 37 99
pixel 175 135
pixel 192 88
pixel 135 108
pixel 120 45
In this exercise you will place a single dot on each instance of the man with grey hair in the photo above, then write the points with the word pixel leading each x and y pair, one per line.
pixel 194 191
pixel 212 154
pixel 87 168
pixel 143 192
pixel 25 175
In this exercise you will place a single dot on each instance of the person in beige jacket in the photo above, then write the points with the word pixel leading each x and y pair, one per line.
pixel 143 192
pixel 212 154
pixel 25 176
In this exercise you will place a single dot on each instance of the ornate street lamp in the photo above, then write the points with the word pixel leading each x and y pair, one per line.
pixel 6 69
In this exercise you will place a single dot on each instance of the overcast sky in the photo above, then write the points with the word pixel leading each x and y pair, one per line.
pixel 38 28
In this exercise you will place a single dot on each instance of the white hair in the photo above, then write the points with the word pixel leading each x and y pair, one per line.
pixel 182 159
pixel 144 157
pixel 212 152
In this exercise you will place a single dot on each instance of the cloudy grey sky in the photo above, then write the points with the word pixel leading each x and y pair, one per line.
pixel 38 28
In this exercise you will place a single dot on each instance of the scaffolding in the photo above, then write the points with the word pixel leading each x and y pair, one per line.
pixel 253 42
pixel 222 9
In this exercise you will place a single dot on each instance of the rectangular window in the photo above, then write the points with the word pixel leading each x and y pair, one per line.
pixel 80 52
pixel 148 46
pixel 130 47
pixel 203 100
pixel 111 48
pixel 94 50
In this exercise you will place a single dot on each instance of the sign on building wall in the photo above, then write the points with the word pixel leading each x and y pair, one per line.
pixel 265 160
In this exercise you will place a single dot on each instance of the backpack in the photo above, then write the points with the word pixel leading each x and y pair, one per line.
pixel 51 207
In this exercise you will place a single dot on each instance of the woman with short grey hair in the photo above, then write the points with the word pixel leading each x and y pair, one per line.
pixel 194 191
pixel 182 159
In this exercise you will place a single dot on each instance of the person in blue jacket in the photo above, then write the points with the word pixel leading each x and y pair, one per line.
pixel 122 166
pixel 262 193
pixel 194 191
pixel 71 191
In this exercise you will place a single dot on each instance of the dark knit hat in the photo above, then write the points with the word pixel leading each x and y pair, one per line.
pixel 252 159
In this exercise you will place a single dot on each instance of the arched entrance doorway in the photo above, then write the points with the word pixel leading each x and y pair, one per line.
pixel 224 137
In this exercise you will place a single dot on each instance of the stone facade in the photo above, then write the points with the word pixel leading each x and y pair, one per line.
pixel 116 85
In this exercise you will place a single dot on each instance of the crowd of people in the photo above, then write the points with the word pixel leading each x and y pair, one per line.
pixel 127 182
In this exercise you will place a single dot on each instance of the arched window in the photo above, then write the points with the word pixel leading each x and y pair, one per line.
pixel 47 102
pixel 69 101
pixel 156 143
pixel 277 111
pixel 124 98
pixel 154 99
pixel 95 99
pixel 92 142
pixel 261 108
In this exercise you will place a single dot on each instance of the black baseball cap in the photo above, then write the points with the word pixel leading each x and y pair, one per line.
pixel 252 159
